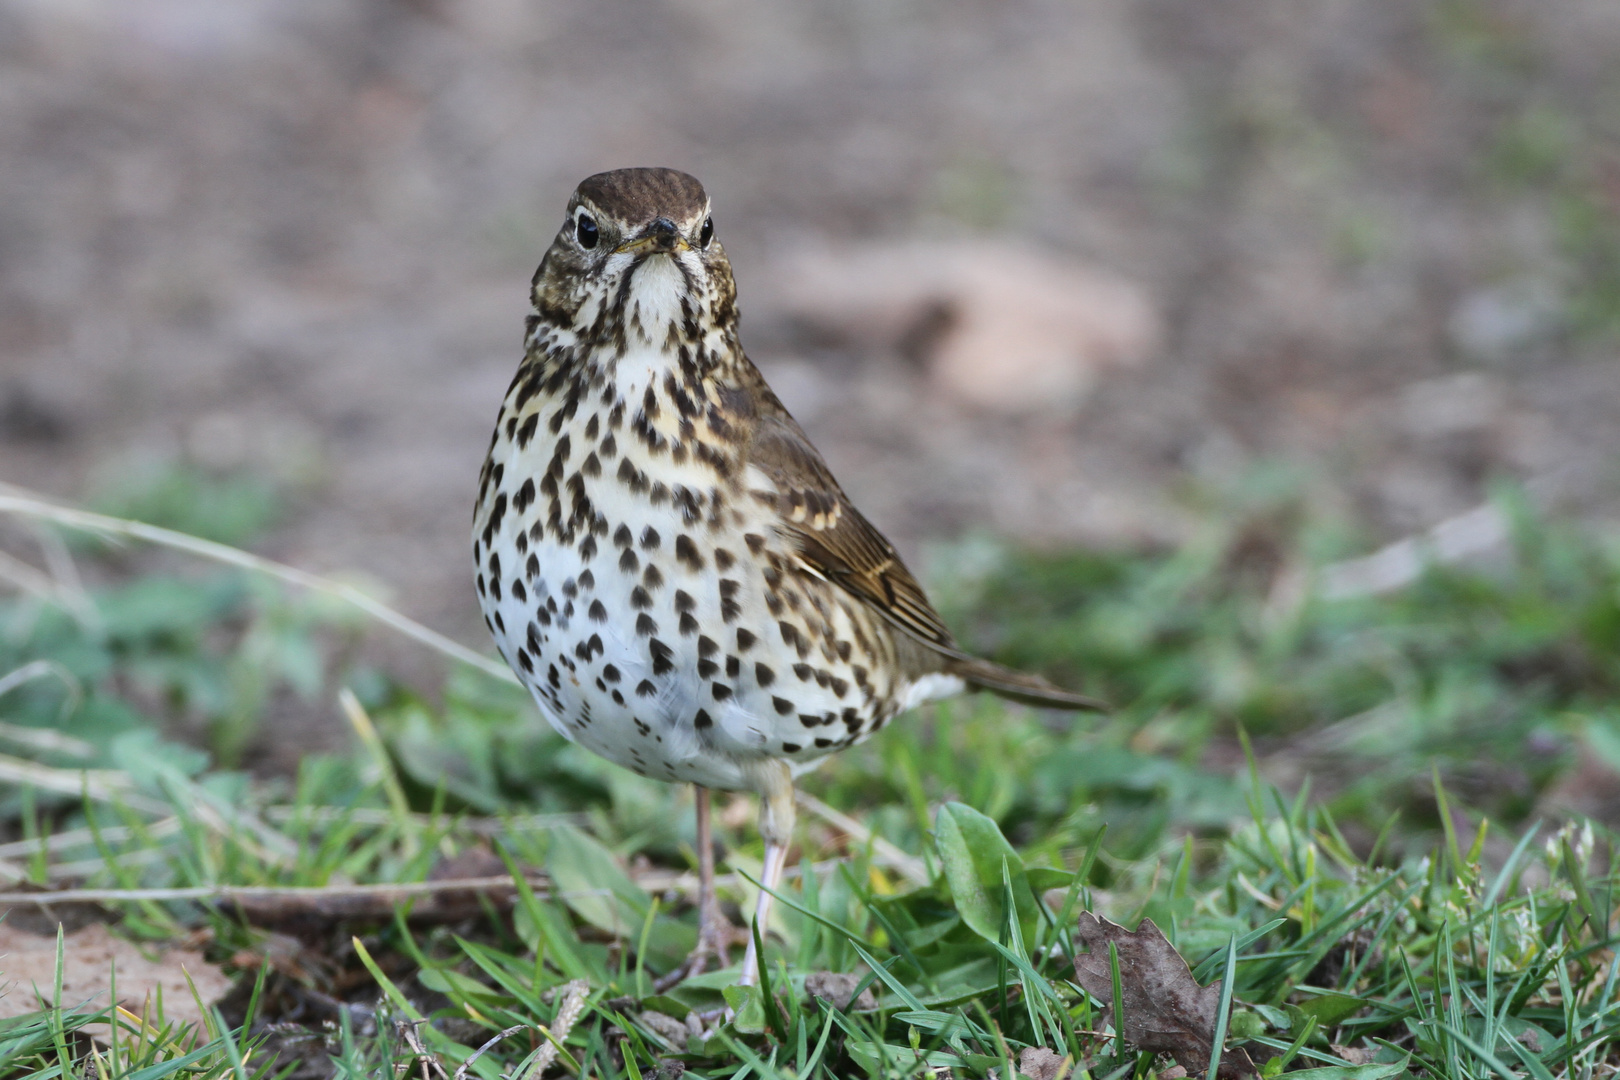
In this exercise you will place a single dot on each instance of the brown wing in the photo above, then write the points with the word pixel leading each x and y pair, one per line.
pixel 832 537
pixel 835 541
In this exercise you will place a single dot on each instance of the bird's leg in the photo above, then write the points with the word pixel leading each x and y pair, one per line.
pixel 776 829
pixel 714 933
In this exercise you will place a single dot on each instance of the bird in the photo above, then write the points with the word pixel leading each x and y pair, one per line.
pixel 665 560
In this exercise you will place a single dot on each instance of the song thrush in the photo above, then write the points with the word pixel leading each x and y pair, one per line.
pixel 663 557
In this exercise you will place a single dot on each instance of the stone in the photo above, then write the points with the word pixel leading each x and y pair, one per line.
pixel 1000 326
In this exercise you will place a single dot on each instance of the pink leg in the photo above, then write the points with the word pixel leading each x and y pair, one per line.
pixel 776 829
pixel 714 933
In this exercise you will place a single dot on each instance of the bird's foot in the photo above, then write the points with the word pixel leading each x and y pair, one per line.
pixel 716 936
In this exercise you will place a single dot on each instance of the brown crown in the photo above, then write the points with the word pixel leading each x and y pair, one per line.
pixel 636 196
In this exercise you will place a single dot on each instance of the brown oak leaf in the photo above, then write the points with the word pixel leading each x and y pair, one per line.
pixel 1166 1011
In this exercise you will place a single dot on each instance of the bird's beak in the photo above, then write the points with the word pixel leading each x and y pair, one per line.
pixel 659 236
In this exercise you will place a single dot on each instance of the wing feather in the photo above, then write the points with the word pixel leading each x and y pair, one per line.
pixel 831 536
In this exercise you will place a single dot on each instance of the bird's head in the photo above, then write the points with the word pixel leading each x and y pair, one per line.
pixel 636 256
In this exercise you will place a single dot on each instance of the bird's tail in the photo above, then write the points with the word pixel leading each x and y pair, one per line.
pixel 1018 685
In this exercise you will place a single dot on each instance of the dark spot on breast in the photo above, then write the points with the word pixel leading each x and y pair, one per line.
pixel 782 705
pixel 707 669
pixel 645 627
pixel 745 639
pixel 755 542
pixel 652 577
pixel 518 591
pixel 628 562
pixel 592 466
pixel 587 548
pixel 610 673
pixel 791 748
pixel 526 432
pixel 763 675
pixel 702 721
pixel 597 613
pixel 687 552
pixel 524 497
pixel 663 657
pixel 684 601
pixel 689 625
pixel 645 688
pixel 839 686
pixel 649 539
pixel 707 646
pixel 639 598
pixel 723 559
pixel 622 537
pixel 804 671
pixel 591 426
pixel 721 691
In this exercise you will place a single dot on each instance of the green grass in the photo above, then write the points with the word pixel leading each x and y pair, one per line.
pixel 1406 903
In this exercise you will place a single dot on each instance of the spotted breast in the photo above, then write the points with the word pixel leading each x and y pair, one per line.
pixel 662 555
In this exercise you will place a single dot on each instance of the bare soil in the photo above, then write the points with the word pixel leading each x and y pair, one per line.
pixel 295 238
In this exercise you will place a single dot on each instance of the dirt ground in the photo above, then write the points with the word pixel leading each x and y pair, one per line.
pixel 1380 240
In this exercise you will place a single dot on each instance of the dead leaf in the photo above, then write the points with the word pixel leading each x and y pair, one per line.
pixel 1040 1063
pixel 1355 1055
pixel 1166 1011
pixel 671 1030
pixel 89 958
pixel 838 988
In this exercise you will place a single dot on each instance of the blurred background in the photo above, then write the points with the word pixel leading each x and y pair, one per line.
pixel 1035 275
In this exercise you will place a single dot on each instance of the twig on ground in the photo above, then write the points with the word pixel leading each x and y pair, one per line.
pixel 1397 565
pixel 424 1056
pixel 285 902
pixel 477 826
pixel 568 1013
pixel 44 738
pixel 910 867
pixel 15 500
pixel 461 1073
pixel 102 785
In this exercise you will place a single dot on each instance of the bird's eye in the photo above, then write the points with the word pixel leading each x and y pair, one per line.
pixel 707 233
pixel 585 230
